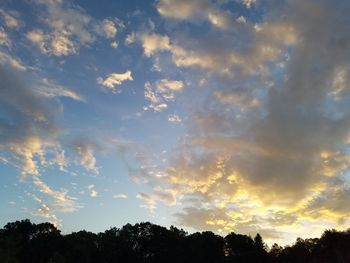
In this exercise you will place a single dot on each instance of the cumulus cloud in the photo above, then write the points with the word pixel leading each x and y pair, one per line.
pixel 152 43
pixel 115 79
pixel 109 28
pixel 55 44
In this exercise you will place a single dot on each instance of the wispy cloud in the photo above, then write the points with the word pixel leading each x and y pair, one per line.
pixel 50 89
pixel 120 196
pixel 161 93
pixel 11 18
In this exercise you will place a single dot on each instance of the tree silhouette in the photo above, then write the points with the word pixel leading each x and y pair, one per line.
pixel 23 241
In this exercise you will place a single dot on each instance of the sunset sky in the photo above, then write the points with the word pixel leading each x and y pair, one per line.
pixel 221 115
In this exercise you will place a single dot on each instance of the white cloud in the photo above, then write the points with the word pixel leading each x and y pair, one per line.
pixel 93 193
pixel 153 43
pixel 166 86
pixel 174 118
pixel 69 28
pixel 130 38
pixel 157 103
pixel 241 20
pixel 115 79
pixel 120 196
pixel 114 44
pixel 62 45
pixel 161 93
pixel 58 44
pixel 109 28
pixel 61 201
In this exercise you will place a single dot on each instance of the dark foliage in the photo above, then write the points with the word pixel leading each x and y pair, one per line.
pixel 23 241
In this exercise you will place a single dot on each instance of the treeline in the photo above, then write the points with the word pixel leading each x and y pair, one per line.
pixel 23 241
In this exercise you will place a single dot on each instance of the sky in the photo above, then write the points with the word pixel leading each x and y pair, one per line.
pixel 220 115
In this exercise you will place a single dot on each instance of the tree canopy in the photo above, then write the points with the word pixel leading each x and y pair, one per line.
pixel 24 241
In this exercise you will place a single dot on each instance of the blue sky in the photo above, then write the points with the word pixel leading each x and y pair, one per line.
pixel 227 115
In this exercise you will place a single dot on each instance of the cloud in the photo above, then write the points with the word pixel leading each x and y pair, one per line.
pixel 61 201
pixel 109 28
pixel 86 158
pixel 153 43
pixel 10 18
pixel 166 196
pixel 181 9
pixel 7 59
pixel 114 44
pixel 174 118
pixel 120 196
pixel 166 86
pixel 161 93
pixel 195 10
pixel 38 38
pixel 130 38
pixel 267 41
pixel 242 100
pixel 28 134
pixel 219 220
pixel 50 89
pixel 241 20
pixel 269 145
pixel 4 38
pixel 68 27
pixel 249 3
pixel 114 79
pixel 55 44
